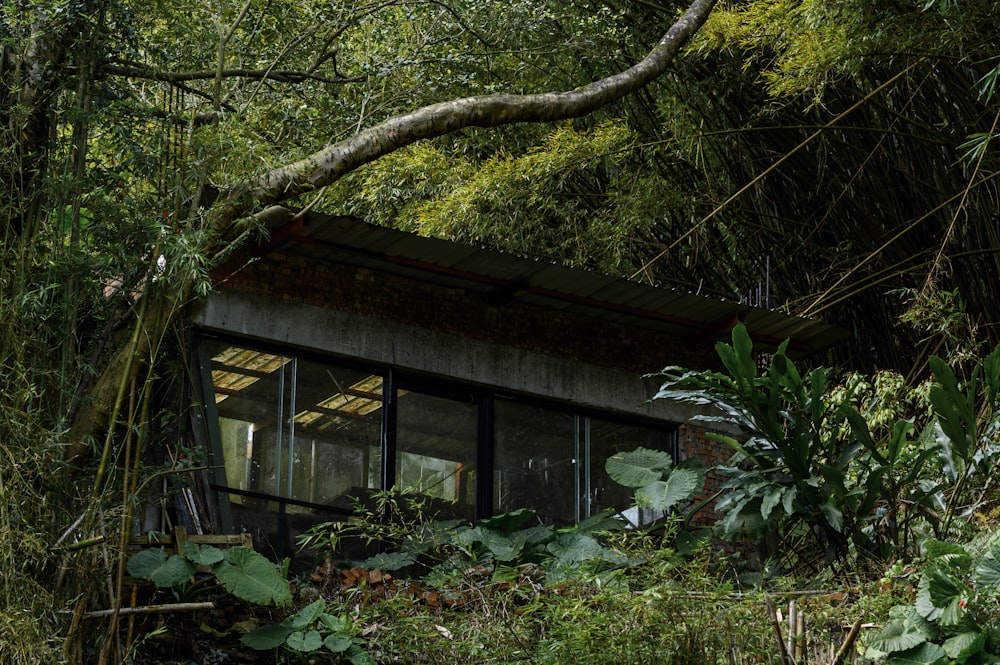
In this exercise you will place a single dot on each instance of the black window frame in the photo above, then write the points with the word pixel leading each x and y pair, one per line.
pixel 394 380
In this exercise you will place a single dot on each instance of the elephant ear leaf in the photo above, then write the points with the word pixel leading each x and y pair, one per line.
pixel 638 468
pixel 250 576
pixel 681 485
pixel 988 570
pixel 164 570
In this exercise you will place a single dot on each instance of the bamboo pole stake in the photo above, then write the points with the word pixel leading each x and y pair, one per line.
pixel 800 637
pixel 150 609
pixel 773 613
pixel 852 635
pixel 792 623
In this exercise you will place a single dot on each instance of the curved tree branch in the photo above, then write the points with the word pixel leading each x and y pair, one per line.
pixel 333 162
pixel 262 195
pixel 279 75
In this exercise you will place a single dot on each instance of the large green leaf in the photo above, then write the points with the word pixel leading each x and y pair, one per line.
pixel 510 521
pixel 391 561
pixel 738 358
pixel 162 569
pixel 573 548
pixel 940 595
pixel 833 515
pixel 305 617
pixel 305 641
pixel 639 467
pixel 925 654
pixel 504 547
pixel 203 555
pixel 334 624
pixel 337 643
pixel 988 570
pixel 681 485
pixel 942 552
pixel 771 499
pixel 248 575
pixel 359 656
pixel 963 646
pixel 270 636
pixel 898 635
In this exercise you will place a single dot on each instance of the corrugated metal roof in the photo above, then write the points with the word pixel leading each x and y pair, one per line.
pixel 348 240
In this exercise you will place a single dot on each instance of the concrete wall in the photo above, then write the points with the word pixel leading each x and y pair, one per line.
pixel 435 353
pixel 450 333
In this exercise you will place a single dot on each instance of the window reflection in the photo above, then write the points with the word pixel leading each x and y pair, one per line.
pixel 302 440
pixel 436 451
pixel 296 429
pixel 534 462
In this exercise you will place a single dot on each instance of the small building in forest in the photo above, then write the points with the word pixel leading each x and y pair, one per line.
pixel 337 358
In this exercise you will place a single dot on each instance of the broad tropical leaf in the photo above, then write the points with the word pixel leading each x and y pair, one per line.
pixel 305 617
pixel 639 467
pixel 925 654
pixel 162 569
pixel 964 645
pixel 389 561
pixel 270 636
pixel 574 548
pixel 305 641
pixel 510 521
pixel 898 635
pixel 203 555
pixel 337 643
pixel 248 575
pixel 681 485
pixel 988 570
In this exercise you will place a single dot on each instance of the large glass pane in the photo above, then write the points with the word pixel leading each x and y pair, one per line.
pixel 296 429
pixel 535 461
pixel 336 434
pixel 248 387
pixel 436 452
pixel 605 438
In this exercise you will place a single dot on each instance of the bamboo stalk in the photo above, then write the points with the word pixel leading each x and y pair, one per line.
pixel 852 635
pixel 773 614
pixel 792 623
pixel 82 544
pixel 800 637
pixel 151 609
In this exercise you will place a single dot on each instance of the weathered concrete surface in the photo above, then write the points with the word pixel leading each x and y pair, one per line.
pixel 420 350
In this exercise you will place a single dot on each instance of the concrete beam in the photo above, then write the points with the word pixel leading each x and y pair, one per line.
pixel 437 354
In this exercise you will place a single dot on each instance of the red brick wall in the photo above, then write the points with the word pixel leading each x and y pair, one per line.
pixel 456 311
pixel 694 443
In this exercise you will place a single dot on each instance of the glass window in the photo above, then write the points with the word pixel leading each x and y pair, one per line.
pixel 535 461
pixel 337 433
pixel 302 439
pixel 605 438
pixel 296 429
pixel 553 462
pixel 436 451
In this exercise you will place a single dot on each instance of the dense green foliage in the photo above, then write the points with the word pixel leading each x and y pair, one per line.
pixel 954 617
pixel 809 466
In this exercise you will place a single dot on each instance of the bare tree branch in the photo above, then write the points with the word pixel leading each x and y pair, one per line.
pixel 279 75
